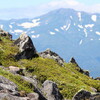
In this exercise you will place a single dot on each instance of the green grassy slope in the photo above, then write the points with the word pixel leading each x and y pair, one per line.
pixel 68 79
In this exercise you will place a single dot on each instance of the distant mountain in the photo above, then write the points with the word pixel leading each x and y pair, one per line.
pixel 68 32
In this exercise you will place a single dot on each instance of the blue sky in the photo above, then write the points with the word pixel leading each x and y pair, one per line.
pixel 32 8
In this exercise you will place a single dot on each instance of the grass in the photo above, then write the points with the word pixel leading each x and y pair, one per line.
pixel 68 79
pixel 22 84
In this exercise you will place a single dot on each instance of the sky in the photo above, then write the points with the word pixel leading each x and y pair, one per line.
pixel 31 8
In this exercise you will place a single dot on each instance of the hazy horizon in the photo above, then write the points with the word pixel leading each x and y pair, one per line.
pixel 29 9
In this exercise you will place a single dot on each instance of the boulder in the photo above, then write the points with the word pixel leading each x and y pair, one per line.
pixel 5 34
pixel 82 95
pixel 95 96
pixel 7 84
pixel 16 70
pixel 52 55
pixel 26 47
pixel 98 78
pixel 34 82
pixel 72 60
pixel 7 96
pixel 33 96
pixel 51 91
pixel 85 72
pixel 85 95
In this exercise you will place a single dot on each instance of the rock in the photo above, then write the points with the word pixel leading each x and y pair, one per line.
pixel 98 78
pixel 72 60
pixel 26 47
pixel 22 93
pixel 85 95
pixel 5 34
pixel 34 82
pixel 52 55
pixel 7 84
pixel 82 95
pixel 6 96
pixel 93 89
pixel 51 91
pixel 16 70
pixel 95 96
pixel 85 72
pixel 33 96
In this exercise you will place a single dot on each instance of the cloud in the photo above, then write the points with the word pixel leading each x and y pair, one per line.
pixel 74 4
pixel 31 12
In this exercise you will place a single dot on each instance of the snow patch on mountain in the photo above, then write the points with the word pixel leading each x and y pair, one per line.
pixel 32 31
pixel 80 26
pixel 35 20
pixel 56 29
pixel 94 18
pixel 89 25
pixel 18 31
pixel 68 27
pixel 29 25
pixel 65 27
pixel 10 26
pixel 35 36
pixel 11 31
pixel 91 39
pixel 74 24
pixel 98 33
pixel 91 30
pixel 71 17
pixel 1 26
pixel 52 33
pixel 79 16
pixel 79 30
pixel 85 31
pixel 80 42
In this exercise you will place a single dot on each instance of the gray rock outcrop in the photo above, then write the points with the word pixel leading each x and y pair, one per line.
pixel 26 47
pixel 5 34
pixel 6 84
pixel 85 72
pixel 85 95
pixel 9 91
pixel 51 91
pixel 52 55
pixel 97 78
pixel 7 96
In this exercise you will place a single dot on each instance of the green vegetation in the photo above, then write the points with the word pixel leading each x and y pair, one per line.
pixel 22 84
pixel 68 79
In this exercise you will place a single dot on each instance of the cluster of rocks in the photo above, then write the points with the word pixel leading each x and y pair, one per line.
pixel 48 91
pixel 5 34
pixel 85 72
pixel 28 51
pixel 9 91
pixel 98 78
pixel 52 55
pixel 85 95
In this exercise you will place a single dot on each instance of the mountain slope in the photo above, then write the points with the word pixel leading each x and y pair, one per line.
pixel 65 31
pixel 67 77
